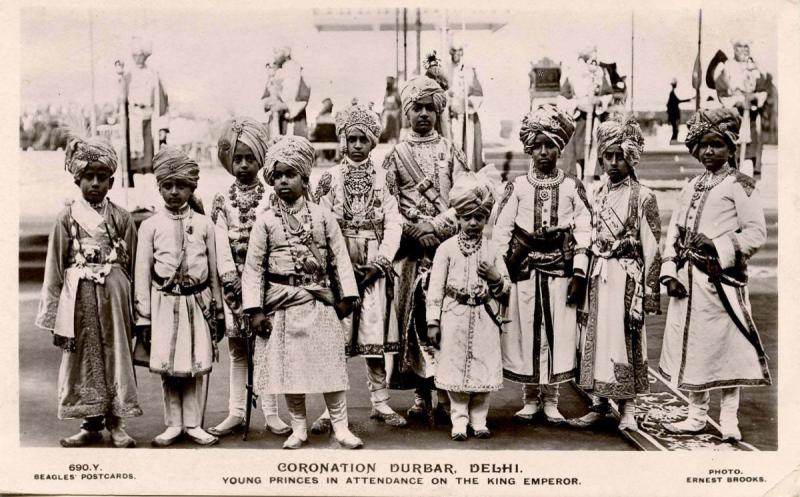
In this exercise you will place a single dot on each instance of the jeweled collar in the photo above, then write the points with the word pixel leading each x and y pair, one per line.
pixel 431 136
pixel 546 181
pixel 246 188
pixel 364 165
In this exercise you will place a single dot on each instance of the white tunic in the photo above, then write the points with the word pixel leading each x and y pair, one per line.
pixel 540 302
pixel 623 286
pixel 469 359
pixel 703 348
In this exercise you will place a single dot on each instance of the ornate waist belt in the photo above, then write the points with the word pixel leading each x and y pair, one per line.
pixel 295 279
pixel 465 298
pixel 176 288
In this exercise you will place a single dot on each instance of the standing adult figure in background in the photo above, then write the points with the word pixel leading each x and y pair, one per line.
pixel 674 109
pixel 465 96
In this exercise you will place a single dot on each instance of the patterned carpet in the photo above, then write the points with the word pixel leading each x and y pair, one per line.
pixel 664 405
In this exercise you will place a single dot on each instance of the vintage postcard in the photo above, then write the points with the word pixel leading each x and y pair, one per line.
pixel 359 248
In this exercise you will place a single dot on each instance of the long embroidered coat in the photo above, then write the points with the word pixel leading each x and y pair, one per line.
pixel 371 224
pixel 86 303
pixel 233 214
pixel 306 350
pixel 182 245
pixel 703 347
pixel 441 163
pixel 623 287
pixel 469 359
pixel 540 341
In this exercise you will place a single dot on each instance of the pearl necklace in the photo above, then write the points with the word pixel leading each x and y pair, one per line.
pixel 547 181
pixel 709 180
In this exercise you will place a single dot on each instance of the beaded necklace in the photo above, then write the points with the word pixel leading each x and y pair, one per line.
pixel 469 245
pixel 709 180
pixel 302 233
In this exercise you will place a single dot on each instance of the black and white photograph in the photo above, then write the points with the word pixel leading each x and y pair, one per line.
pixel 384 249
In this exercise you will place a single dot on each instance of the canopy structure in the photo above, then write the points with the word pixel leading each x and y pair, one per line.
pixel 397 20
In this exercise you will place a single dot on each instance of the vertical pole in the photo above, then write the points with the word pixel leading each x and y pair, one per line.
pixel 419 38
pixel 397 45
pixel 699 43
pixel 632 44
pixel 405 44
pixel 93 118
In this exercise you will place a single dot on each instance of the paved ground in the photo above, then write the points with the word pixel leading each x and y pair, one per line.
pixel 39 362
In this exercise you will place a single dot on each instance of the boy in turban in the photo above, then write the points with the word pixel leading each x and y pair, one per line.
pixel 543 227
pixel 716 227
pixel 298 271
pixel 420 172
pixel 178 298
pixel 467 278
pixel 86 296
pixel 242 149
pixel 355 191
pixel 623 278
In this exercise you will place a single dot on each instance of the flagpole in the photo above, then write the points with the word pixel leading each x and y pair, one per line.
pixel 699 43
pixel 93 118
pixel 632 61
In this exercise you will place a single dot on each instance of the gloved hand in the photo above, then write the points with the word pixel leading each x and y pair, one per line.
pixel 260 324
pixel 576 291
pixel 675 288
pixel 344 307
pixel 369 274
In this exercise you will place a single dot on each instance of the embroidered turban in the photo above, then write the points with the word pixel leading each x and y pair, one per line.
pixel 623 132
pixel 471 193
pixel 358 117
pixel 172 164
pixel 420 87
pixel 294 151
pixel 241 129
pixel 724 122
pixel 83 151
pixel 551 122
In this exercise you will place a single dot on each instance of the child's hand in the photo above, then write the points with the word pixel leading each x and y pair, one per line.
pixel 489 273
pixel 260 324
pixel 434 334
pixel 310 265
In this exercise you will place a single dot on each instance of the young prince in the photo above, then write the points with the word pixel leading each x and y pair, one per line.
pixel 86 299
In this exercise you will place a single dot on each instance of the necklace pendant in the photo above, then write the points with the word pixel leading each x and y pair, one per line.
pixel 544 194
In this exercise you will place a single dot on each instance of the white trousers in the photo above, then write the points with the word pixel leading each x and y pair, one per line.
pixel 466 407
pixel 237 397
